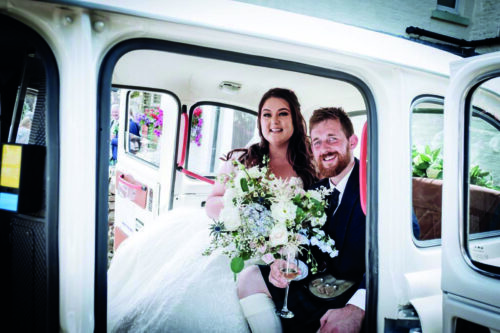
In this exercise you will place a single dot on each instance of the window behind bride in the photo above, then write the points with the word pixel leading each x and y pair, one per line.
pixel 159 280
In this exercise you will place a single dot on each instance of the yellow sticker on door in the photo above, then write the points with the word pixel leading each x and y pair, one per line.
pixel 11 166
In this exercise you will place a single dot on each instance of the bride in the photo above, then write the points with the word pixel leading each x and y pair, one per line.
pixel 159 281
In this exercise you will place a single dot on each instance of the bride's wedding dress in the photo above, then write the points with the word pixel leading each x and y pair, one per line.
pixel 159 281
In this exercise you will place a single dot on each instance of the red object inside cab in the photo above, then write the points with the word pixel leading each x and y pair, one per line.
pixel 362 168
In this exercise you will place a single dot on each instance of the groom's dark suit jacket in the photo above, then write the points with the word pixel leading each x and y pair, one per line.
pixel 347 227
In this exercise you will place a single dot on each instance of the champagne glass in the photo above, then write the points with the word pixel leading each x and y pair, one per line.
pixel 289 267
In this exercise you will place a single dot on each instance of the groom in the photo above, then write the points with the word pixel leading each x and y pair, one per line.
pixel 333 142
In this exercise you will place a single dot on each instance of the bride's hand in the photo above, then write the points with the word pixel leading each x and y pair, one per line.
pixel 276 277
pixel 214 204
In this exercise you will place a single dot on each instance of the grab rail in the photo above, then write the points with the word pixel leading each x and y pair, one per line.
pixel 184 140
pixel 180 163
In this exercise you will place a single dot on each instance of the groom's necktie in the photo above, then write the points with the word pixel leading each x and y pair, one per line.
pixel 334 201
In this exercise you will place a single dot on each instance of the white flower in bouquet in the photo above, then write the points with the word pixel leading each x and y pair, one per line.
pixel 318 221
pixel 314 195
pixel 283 211
pixel 298 191
pixel 285 191
pixel 231 217
pixel 254 172
pixel 319 232
pixel 302 239
pixel 279 235
pixel 229 196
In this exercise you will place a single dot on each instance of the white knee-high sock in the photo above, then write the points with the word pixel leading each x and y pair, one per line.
pixel 261 315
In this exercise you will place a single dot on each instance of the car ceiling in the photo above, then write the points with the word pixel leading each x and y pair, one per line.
pixel 195 79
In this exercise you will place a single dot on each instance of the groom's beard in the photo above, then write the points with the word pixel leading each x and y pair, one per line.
pixel 343 160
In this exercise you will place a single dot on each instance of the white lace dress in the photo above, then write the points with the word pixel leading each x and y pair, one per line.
pixel 159 281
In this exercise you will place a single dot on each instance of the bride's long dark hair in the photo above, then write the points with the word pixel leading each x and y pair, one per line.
pixel 299 150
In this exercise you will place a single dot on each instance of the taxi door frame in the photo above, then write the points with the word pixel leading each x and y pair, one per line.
pixel 468 292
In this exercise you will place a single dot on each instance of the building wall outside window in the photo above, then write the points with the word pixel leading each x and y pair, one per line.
pixel 475 20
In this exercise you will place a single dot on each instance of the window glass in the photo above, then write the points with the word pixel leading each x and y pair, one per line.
pixel 448 5
pixel 144 127
pixel 214 131
pixel 483 165
pixel 24 129
pixel 427 168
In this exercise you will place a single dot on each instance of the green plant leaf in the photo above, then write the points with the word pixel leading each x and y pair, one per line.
pixel 418 172
pixel 483 173
pixel 244 184
pixel 237 264
pixel 433 171
pixel 422 166
pixel 435 153
pixel 297 200
pixel 474 171
pixel 300 213
pixel 425 158
pixel 315 202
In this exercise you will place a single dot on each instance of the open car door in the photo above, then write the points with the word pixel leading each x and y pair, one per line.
pixel 471 197
pixel 141 156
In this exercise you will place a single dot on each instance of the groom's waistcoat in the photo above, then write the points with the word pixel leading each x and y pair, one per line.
pixel 347 227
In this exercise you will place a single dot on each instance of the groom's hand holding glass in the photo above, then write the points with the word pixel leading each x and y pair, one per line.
pixel 277 277
pixel 285 269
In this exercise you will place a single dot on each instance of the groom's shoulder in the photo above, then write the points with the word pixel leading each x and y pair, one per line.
pixel 323 182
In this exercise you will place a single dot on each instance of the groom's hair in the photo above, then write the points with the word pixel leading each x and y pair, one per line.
pixel 332 113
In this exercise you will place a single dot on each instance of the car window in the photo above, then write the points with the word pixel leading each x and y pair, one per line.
pixel 214 131
pixel 482 193
pixel 145 113
pixel 427 169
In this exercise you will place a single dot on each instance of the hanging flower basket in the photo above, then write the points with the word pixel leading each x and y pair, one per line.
pixel 196 126
pixel 151 122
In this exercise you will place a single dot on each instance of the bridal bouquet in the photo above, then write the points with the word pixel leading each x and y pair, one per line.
pixel 263 214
